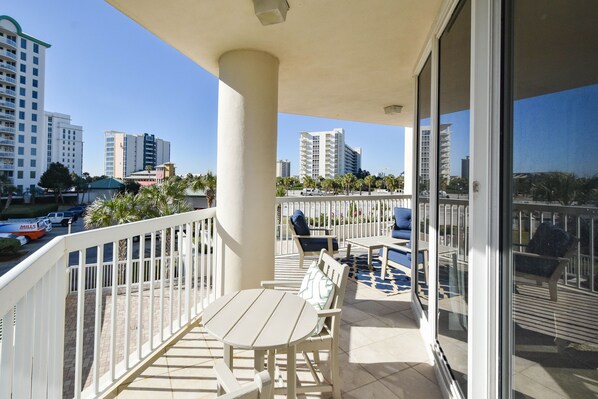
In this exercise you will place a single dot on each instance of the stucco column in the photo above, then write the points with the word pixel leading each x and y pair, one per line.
pixel 246 192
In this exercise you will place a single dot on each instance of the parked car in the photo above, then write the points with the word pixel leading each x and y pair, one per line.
pixel 311 192
pixel 47 223
pixel 77 210
pixel 22 240
pixel 59 218
pixel 72 215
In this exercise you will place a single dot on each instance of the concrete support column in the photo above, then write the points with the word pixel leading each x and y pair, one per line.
pixel 246 194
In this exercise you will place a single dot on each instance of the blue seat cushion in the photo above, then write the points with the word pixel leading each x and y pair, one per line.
pixel 402 218
pixel 316 244
pixel 401 257
pixel 534 266
pixel 550 240
pixel 404 234
pixel 300 224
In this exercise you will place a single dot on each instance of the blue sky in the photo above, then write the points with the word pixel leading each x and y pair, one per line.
pixel 109 73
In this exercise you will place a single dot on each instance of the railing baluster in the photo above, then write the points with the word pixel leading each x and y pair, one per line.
pixel 21 382
pixel 98 320
pixel 188 271
pixel 7 354
pixel 202 256
pixel 113 309
pixel 40 343
pixel 162 280
pixel 171 282
pixel 80 325
pixel 152 265
pixel 140 283
pixel 196 250
pixel 127 325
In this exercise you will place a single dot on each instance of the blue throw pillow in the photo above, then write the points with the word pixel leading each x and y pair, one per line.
pixel 403 218
pixel 299 223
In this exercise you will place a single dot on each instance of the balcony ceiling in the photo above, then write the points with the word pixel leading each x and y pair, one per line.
pixel 342 59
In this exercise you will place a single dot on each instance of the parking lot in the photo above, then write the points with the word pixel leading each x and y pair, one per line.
pixel 34 245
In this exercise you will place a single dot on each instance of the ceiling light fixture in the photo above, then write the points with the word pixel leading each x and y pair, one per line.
pixel 393 109
pixel 271 12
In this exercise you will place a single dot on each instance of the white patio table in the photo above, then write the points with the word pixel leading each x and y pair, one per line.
pixel 261 320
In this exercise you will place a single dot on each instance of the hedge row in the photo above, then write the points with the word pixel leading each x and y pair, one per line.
pixel 27 211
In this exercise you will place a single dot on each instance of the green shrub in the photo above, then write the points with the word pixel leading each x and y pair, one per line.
pixel 9 246
pixel 27 211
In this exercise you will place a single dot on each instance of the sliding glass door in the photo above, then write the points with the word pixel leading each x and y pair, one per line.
pixel 453 194
pixel 550 204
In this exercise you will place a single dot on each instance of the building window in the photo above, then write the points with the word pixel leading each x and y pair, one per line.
pixel 21 151
pixel 20 176
pixel 23 68
pixel 35 72
pixel 21 114
pixel 33 130
pixel 21 139
pixel 34 151
pixel 22 80
pixel 23 43
pixel 34 106
pixel 22 103
pixel 22 91
pixel 34 140
pixel 32 174
pixel 34 117
pixel 34 94
pixel 20 162
pixel 35 48
pixel 21 127
pixel 34 82
pixel 36 60
pixel 23 56
pixel 33 162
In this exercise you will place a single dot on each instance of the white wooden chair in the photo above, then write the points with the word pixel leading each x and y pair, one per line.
pixel 328 338
pixel 260 388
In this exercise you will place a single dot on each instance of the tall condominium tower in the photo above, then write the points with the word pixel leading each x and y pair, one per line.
pixel 127 153
pixel 283 168
pixel 22 78
pixel 325 154
pixel 444 149
pixel 63 142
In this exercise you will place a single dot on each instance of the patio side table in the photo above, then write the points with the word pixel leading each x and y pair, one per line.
pixel 261 320
pixel 372 243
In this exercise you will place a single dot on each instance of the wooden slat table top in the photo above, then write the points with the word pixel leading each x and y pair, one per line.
pixel 260 319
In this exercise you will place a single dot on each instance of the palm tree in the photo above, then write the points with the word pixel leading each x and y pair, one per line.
pixel 6 186
pixel 120 209
pixel 205 182
pixel 390 182
pixel 359 185
pixel 328 185
pixel 370 180
pixel 308 182
pixel 349 181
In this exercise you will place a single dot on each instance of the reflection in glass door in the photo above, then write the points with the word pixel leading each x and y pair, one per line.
pixel 551 199
pixel 453 194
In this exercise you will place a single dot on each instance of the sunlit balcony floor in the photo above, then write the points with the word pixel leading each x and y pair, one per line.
pixel 382 353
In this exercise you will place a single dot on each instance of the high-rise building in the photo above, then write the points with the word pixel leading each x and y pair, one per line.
pixel 22 80
pixel 63 142
pixel 444 149
pixel 127 153
pixel 283 168
pixel 352 159
pixel 325 154
pixel 465 168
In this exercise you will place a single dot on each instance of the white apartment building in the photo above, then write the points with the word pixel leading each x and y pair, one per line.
pixel 283 168
pixel 125 153
pixel 325 154
pixel 63 142
pixel 444 149
pixel 22 78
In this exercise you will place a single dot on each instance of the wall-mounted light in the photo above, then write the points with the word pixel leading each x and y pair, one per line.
pixel 393 109
pixel 271 12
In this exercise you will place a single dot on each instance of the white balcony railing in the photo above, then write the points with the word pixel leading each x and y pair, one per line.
pixel 349 217
pixel 9 67
pixel 116 315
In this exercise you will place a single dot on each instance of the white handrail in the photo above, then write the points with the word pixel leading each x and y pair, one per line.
pixel 33 305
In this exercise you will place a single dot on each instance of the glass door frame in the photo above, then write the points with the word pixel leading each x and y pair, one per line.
pixel 485 327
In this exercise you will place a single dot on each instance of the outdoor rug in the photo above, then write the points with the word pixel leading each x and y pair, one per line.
pixel 397 283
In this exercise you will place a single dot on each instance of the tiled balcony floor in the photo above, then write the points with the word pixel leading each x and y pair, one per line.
pixel 382 354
